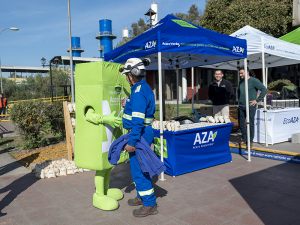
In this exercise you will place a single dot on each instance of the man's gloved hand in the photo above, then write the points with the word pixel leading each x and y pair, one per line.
pixel 129 148
pixel 123 102
pixel 96 118
pixel 111 120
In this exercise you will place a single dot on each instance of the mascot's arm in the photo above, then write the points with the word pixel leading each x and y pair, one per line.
pixel 111 120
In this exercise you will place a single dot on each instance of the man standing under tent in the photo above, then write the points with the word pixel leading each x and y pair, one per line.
pixel 254 85
pixel 137 119
pixel 220 91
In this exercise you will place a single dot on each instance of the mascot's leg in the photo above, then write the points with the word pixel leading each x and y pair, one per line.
pixel 114 193
pixel 100 200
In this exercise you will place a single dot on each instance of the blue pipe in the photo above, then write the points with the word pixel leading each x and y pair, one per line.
pixel 105 36
pixel 76 49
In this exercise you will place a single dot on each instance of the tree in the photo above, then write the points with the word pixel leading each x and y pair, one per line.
pixel 226 16
pixel 139 27
pixel 37 86
pixel 192 16
pixel 136 29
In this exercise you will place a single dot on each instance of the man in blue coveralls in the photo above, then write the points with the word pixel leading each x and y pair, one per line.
pixel 138 116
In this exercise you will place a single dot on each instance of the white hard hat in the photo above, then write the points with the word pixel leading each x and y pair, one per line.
pixel 135 66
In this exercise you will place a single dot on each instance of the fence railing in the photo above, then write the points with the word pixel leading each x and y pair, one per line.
pixel 6 117
pixel 283 103
pixel 58 98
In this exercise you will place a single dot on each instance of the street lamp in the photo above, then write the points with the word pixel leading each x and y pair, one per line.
pixel 71 53
pixel 43 61
pixel 55 61
pixel 2 30
pixel 150 13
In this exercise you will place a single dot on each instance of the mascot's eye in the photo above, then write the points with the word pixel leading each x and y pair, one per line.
pixel 118 89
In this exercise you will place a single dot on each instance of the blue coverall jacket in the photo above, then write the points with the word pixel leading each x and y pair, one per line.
pixel 138 116
pixel 148 161
pixel 139 113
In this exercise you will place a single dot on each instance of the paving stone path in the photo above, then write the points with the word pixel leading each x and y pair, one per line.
pixel 237 193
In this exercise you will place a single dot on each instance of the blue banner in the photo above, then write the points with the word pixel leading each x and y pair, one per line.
pixel 195 149
pixel 268 155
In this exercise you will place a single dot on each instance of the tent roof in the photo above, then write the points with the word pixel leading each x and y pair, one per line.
pixel 182 44
pixel 293 36
pixel 278 52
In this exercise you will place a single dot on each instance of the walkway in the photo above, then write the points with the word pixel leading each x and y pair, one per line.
pixel 238 193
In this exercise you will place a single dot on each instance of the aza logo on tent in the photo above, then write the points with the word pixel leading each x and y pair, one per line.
pixel 205 137
pixel 241 35
pixel 150 44
pixel 269 46
pixel 238 49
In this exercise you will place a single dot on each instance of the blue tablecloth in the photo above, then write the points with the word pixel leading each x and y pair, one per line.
pixel 189 150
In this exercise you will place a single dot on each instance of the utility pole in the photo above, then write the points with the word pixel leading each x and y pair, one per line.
pixel 296 12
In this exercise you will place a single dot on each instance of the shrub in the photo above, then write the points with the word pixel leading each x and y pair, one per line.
pixel 55 115
pixel 37 121
pixel 278 84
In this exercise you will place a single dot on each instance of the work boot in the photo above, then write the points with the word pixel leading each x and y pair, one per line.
pixel 135 201
pixel 145 211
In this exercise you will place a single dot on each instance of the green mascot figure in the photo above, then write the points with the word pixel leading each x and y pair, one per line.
pixel 98 92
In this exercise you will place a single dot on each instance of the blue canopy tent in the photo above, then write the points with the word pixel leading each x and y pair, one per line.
pixel 182 44
pixel 175 43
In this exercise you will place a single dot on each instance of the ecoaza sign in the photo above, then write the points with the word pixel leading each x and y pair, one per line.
pixel 294 119
pixel 204 139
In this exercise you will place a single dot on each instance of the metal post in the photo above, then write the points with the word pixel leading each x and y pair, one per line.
pixel 193 89
pixel 160 85
pixel 247 109
pixel 1 76
pixel 71 54
pixel 264 83
pixel 238 83
pixel 51 82
pixel 177 88
pixel 163 79
pixel 2 30
pixel 162 178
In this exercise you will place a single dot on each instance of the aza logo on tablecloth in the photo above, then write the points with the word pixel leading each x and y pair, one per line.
pixel 205 139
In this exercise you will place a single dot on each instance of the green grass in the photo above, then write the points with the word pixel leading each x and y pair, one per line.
pixel 171 110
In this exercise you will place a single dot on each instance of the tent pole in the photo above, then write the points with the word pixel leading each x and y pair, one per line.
pixel 163 80
pixel 247 109
pixel 264 82
pixel 238 82
pixel 192 88
pixel 236 92
pixel 266 77
pixel 265 103
pixel 162 177
pixel 177 91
